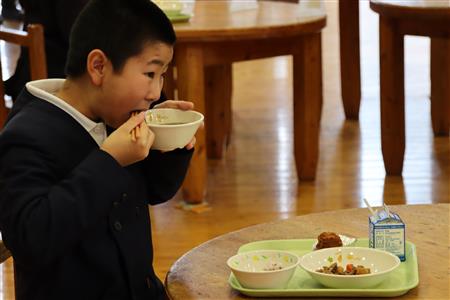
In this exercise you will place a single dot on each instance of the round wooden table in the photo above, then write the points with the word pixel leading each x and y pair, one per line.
pixel 429 18
pixel 202 273
pixel 217 36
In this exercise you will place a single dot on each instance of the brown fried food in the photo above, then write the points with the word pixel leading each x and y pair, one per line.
pixel 328 240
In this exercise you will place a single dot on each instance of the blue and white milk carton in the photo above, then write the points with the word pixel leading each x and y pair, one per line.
pixel 387 232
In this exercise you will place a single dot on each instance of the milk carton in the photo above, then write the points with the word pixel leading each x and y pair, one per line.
pixel 387 232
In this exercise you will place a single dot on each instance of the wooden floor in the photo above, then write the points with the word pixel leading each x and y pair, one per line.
pixel 256 180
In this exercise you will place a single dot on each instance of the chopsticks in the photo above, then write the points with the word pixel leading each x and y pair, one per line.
pixel 136 132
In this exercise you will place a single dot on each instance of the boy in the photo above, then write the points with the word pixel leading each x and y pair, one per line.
pixel 73 200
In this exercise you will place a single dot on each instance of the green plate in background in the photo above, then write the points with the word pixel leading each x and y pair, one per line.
pixel 400 282
pixel 180 17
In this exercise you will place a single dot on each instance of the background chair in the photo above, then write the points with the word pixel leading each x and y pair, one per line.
pixel 8 287
pixel 4 252
pixel 33 39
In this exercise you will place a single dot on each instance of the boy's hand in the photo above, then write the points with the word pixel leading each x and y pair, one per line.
pixel 183 105
pixel 121 146
pixel 177 104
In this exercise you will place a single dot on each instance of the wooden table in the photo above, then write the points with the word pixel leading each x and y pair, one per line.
pixel 213 39
pixel 429 18
pixel 202 273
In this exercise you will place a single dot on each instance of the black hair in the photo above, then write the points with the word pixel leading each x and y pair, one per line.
pixel 120 28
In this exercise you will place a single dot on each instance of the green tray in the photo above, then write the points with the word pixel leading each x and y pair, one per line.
pixel 180 17
pixel 401 281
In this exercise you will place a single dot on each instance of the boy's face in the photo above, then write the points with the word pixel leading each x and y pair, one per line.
pixel 134 88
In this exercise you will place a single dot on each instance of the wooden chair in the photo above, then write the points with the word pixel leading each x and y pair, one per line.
pixel 4 252
pixel 7 268
pixel 33 39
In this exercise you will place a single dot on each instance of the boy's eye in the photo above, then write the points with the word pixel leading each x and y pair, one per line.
pixel 150 74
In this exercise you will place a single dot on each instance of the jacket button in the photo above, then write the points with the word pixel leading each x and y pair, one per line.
pixel 118 226
pixel 116 203
pixel 124 196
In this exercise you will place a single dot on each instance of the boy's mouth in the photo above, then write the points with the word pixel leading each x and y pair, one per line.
pixel 135 112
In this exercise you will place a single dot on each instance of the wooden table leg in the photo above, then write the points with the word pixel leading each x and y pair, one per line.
pixel 228 119
pixel 170 82
pixel 307 64
pixel 350 57
pixel 392 97
pixel 190 84
pixel 218 87
pixel 440 86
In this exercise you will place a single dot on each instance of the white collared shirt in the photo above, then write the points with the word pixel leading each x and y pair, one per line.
pixel 46 89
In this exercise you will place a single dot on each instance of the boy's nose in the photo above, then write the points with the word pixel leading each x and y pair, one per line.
pixel 153 96
pixel 154 93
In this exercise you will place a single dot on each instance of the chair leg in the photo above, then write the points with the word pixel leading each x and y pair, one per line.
pixel 218 91
pixel 170 82
pixel 392 97
pixel 190 67
pixel 3 109
pixel 307 80
pixel 440 83
pixel 350 57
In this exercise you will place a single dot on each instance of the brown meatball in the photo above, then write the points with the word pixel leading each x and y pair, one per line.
pixel 328 240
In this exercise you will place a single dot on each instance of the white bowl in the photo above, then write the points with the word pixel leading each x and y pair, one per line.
pixel 173 128
pixel 381 264
pixel 263 269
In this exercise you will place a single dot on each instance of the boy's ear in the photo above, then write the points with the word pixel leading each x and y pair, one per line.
pixel 96 63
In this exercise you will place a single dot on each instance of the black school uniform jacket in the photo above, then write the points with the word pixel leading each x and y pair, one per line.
pixel 76 222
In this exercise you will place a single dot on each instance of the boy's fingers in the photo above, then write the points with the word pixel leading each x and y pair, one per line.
pixel 191 144
pixel 134 121
pixel 179 104
pixel 185 105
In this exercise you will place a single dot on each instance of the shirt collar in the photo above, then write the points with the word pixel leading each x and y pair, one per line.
pixel 46 89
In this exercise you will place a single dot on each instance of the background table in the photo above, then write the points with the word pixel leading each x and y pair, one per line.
pixel 215 37
pixel 202 273
pixel 429 18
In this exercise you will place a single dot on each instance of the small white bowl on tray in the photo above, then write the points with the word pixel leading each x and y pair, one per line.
pixel 263 269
